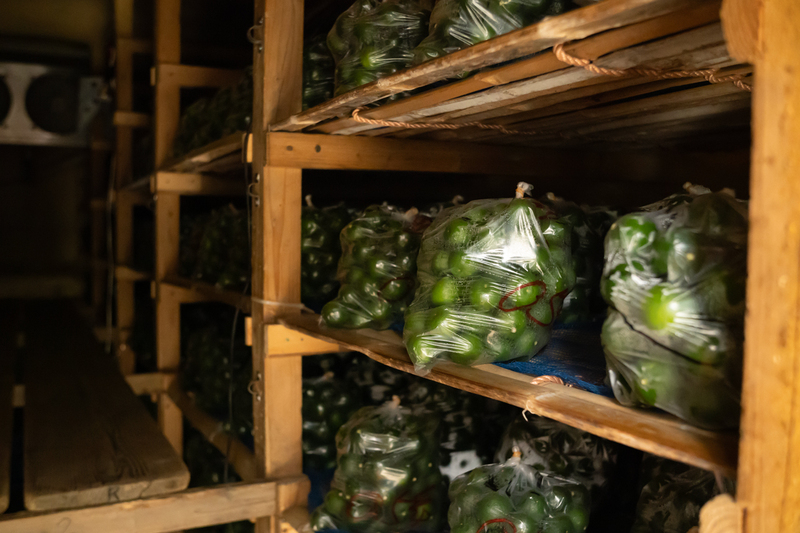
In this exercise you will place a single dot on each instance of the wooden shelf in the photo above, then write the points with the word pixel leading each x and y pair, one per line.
pixel 190 291
pixel 126 273
pixel 196 184
pixel 557 104
pixel 650 431
pixel 217 157
pixel 88 440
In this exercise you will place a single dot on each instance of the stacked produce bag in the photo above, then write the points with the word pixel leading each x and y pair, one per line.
pixel 672 496
pixel 492 278
pixel 513 497
pixel 377 269
pixel 457 24
pixel 318 70
pixel 375 38
pixel 215 248
pixel 327 405
pixel 210 119
pixel 589 227
pixel 675 279
pixel 320 251
pixel 387 477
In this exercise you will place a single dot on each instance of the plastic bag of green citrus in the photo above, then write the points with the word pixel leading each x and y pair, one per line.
pixel 387 476
pixel 318 68
pixel 320 250
pixel 377 268
pixel 492 277
pixel 457 24
pixel 513 497
pixel 675 277
pixel 374 38
pixel 554 448
pixel 327 405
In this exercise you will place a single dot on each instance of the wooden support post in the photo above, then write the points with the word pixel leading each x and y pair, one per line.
pixel 125 288
pixel 168 309
pixel 277 404
pixel 769 459
pixel 168 96
pixel 123 13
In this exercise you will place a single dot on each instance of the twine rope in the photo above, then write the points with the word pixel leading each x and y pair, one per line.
pixel 435 126
pixel 710 75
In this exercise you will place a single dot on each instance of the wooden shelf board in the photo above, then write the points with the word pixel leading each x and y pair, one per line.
pixel 132 119
pixel 88 439
pixel 191 291
pixel 547 98
pixel 127 273
pixel 239 456
pixel 217 157
pixel 196 184
pixel 650 431
pixel 182 511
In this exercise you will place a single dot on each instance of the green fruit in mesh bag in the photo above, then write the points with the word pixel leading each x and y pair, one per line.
pixel 378 279
pixel 374 38
pixel 486 286
pixel 327 405
pixel 318 71
pixel 387 478
pixel 675 275
pixel 513 497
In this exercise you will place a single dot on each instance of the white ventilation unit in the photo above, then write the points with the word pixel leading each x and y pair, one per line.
pixel 46 105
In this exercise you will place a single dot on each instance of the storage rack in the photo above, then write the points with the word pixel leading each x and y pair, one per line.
pixel 522 95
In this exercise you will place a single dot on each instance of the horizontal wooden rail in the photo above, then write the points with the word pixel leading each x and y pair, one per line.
pixel 220 156
pixel 310 151
pixel 193 184
pixel 238 455
pixel 283 341
pixel 150 383
pixel 131 119
pixel 184 510
pixel 191 76
pixel 126 273
pixel 190 291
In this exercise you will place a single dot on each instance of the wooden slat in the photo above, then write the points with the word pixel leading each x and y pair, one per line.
pixel 769 462
pixel 591 48
pixel 302 150
pixel 175 75
pixel 741 21
pixel 219 156
pixel 167 95
pixel 191 291
pixel 126 273
pixel 88 440
pixel 239 456
pixel 8 353
pixel 574 25
pixel 185 510
pixel 126 45
pixel 282 341
pixel 650 431
pixel 194 184
pixel 131 119
pixel 150 383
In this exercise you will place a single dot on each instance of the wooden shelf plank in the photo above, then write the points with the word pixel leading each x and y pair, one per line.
pixel 127 273
pixel 302 150
pixel 650 431
pixel 194 184
pixel 217 157
pixel 185 510
pixel 8 352
pixel 132 119
pixel 239 456
pixel 88 440
pixel 193 76
pixel 191 291
pixel 616 34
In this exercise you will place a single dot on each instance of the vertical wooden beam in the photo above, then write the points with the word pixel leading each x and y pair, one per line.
pixel 769 459
pixel 123 255
pixel 123 18
pixel 168 96
pixel 168 307
pixel 277 64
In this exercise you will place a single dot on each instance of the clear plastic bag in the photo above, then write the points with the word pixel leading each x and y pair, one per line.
pixel 672 497
pixel 327 405
pixel 374 38
pixel 554 448
pixel 492 277
pixel 318 72
pixel 589 227
pixel 675 274
pixel 387 476
pixel 513 497
pixel 457 24
pixel 377 269
pixel 320 251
